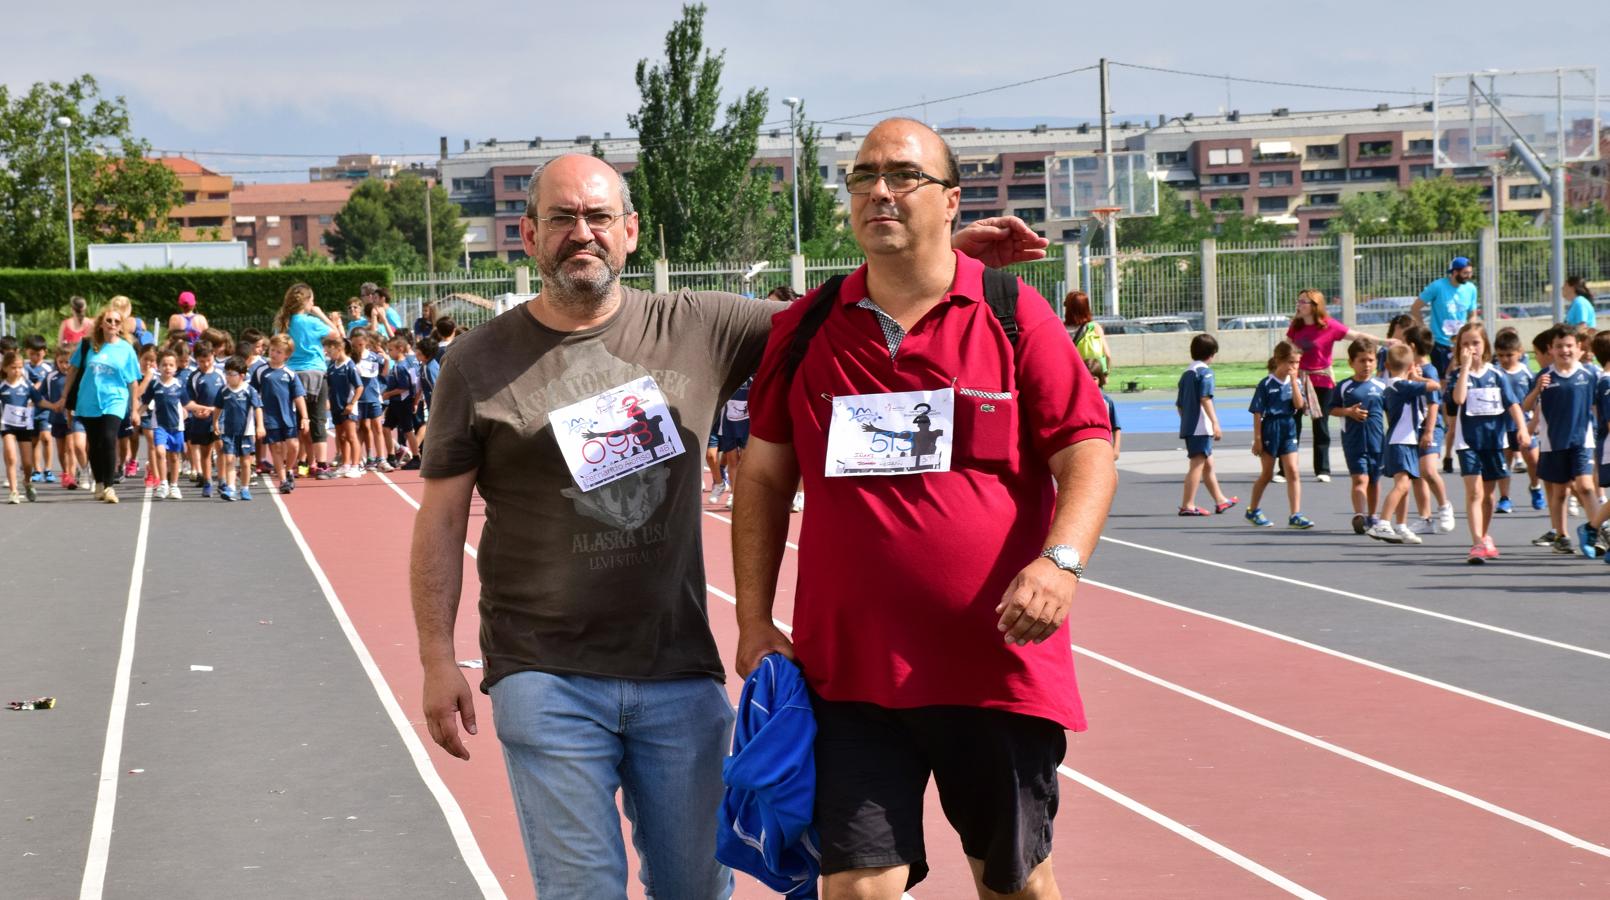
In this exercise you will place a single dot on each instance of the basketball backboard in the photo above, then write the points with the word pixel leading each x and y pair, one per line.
pixel 1554 112
pixel 1078 185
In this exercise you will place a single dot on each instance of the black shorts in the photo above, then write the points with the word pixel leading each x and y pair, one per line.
pixel 996 772
pixel 399 417
pixel 23 435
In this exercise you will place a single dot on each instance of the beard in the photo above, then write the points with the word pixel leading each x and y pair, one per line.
pixel 578 290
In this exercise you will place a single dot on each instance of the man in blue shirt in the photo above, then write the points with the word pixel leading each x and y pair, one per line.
pixel 1452 301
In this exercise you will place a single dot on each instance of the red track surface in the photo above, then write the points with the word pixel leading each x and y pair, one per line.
pixel 1332 825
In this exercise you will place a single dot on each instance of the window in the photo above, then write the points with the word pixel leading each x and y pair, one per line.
pixel 1228 156
pixel 1423 171
pixel 273 240
pixel 514 206
pixel 973 170
pixel 205 222
pixel 1419 147
pixel 1374 149
pixel 325 220
pixel 1311 176
pixel 768 173
pixel 1373 173
pixel 973 215
pixel 1027 167
pixel 1225 204
pixel 825 172
pixel 271 221
pixel 1324 199
pixel 189 196
pixel 1072 235
pixel 511 232
pixel 1025 192
pixel 1525 192
pixel 1317 225
pixel 471 185
pixel 1234 179
pixel 1173 158
pixel 1274 179
pixel 1323 151
pixel 323 239
pixel 516 182
pixel 1030 214
pixel 1273 204
pixel 980 193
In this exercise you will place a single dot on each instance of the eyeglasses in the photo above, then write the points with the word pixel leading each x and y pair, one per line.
pixel 596 221
pixel 899 181
pixel 114 321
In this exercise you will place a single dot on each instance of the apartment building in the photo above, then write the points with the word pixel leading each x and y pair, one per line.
pixel 203 212
pixel 272 219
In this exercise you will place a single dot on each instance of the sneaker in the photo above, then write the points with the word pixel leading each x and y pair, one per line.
pixel 162 491
pixel 384 466
pixel 173 492
pixel 1383 531
pixel 1537 498
pixel 16 499
pixel 328 473
pixel 415 462
pixel 1279 478
pixel 799 502
pixel 150 478
pixel 1426 525
pixel 68 482
pixel 1298 520
pixel 1503 506
pixel 716 492
pixel 50 477
pixel 1323 478
pixel 1445 518
pixel 1492 548
pixel 1587 537
pixel 730 492
pixel 353 472
pixel 109 495
pixel 287 486
pixel 1409 537
pixel 132 468
pixel 302 470
pixel 1546 539
pixel 1477 554
pixel 206 489
pixel 1359 524
pixel 1572 507
pixel 224 493
pixel 31 493
pixel 1256 517
pixel 37 478
pixel 1229 503
pixel 1562 544
pixel 245 492
pixel 1193 511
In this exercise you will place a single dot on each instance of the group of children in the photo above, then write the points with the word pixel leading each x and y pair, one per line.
pixel 215 426
pixel 1493 407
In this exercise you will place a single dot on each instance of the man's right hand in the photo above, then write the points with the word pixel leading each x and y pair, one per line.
pixel 757 640
pixel 447 694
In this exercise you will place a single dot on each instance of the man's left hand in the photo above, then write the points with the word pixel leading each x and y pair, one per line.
pixel 1036 602
pixel 1000 241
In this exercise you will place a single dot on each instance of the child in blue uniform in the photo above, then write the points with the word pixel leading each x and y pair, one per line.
pixel 36 368
pixel 1275 405
pixel 18 401
pixel 1360 402
pixel 1407 434
pixel 1112 420
pixel 203 385
pixel 400 399
pixel 166 395
pixel 284 410
pixel 1431 485
pixel 69 439
pixel 237 417
pixel 372 367
pixel 1511 361
pixel 1592 535
pixel 1484 400
pixel 1199 427
pixel 429 369
pixel 341 377
pixel 1562 395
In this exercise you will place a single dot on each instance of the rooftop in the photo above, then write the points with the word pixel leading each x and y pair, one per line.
pixel 300 192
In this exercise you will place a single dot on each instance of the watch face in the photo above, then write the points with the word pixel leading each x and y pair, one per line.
pixel 1065 557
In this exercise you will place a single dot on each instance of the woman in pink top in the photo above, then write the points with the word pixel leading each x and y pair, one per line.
pixel 1316 334
pixel 75 327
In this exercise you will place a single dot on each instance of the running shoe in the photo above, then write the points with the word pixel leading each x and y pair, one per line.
pixel 1546 539
pixel 16 499
pixel 1279 478
pixel 302 470
pixel 1426 525
pixel 1572 507
pixel 384 466
pixel 1360 525
pixel 412 464
pixel 224 493
pixel 150 478
pixel 131 469
pixel 50 477
pixel 1537 498
pixel 1193 511
pixel 37 478
pixel 162 491
pixel 68 482
pixel 715 493
pixel 1256 517
pixel 1562 544
pixel 1383 531
pixel 1228 504
pixel 730 493
pixel 799 501
pixel 1477 555
pixel 109 495
pixel 173 492
pixel 1323 478
pixel 1492 548
pixel 245 492
pixel 1587 537
pixel 206 489
pixel 1408 535
pixel 353 471
pixel 1503 506
pixel 1298 520
pixel 328 473
pixel 1445 518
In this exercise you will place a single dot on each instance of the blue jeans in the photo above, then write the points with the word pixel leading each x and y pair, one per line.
pixel 572 741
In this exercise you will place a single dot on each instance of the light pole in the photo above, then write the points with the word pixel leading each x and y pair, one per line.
pixel 67 161
pixel 793 104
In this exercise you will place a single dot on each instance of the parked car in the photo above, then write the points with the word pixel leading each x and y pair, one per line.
pixel 1390 305
pixel 1247 323
pixel 1117 325
pixel 1163 324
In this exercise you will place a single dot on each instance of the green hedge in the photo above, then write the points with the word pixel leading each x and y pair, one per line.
pixel 219 293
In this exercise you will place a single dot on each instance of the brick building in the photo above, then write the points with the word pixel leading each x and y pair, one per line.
pixel 203 214
pixel 274 218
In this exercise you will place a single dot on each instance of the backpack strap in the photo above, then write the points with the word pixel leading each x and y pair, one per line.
pixel 1000 292
pixel 809 324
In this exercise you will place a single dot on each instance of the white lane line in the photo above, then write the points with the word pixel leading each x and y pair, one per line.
pixel 415 504
pixel 1547 642
pixel 1469 799
pixel 1455 689
pixel 468 849
pixel 1197 838
pixel 1141 809
pixel 100 832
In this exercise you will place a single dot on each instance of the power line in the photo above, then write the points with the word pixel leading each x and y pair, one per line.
pixel 1268 81
pixel 988 90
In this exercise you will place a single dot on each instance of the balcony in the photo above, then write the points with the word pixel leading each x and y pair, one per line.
pixel 981 174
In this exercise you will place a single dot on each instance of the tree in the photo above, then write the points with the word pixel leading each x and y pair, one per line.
pixel 1428 206
pixel 824 231
pixel 384 223
pixel 693 176
pixel 302 256
pixel 129 195
pixel 1177 223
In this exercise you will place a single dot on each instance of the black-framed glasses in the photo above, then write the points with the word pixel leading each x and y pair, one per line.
pixel 899 181
pixel 596 221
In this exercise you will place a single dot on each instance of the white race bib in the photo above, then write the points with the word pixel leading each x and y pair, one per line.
pixel 621 431
pixel 904 433
pixel 1451 326
pixel 17 417
pixel 1484 401
pixel 369 367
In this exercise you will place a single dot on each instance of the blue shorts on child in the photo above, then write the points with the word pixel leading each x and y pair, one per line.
pixel 171 441
pixel 278 435
pixel 1279 435
pixel 1199 445
pixel 1561 466
pixel 1365 462
pixel 1404 458
pixel 1489 464
pixel 368 411
pixel 237 444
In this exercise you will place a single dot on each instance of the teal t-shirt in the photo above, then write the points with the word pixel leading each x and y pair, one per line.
pixel 308 332
pixel 1450 308
pixel 1582 313
pixel 104 389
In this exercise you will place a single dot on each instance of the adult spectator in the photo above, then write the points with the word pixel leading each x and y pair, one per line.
pixel 369 292
pixel 1088 337
pixel 76 326
pixel 425 325
pixel 106 376
pixel 1452 301
pixel 355 317
pixel 1581 311
pixel 592 598
pixel 923 654
pixel 187 321
pixel 1315 332
pixel 307 325
pixel 134 330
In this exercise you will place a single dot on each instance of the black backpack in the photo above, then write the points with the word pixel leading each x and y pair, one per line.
pixel 1000 292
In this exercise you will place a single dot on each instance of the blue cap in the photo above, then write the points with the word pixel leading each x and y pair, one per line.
pixel 1459 262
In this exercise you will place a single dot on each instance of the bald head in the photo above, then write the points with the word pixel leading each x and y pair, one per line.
pixel 576 166
pixel 934 148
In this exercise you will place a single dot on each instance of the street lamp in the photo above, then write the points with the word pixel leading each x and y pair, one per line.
pixel 67 161
pixel 793 104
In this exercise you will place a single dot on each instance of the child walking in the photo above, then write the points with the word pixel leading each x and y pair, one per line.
pixel 1199 427
pixel 344 384
pixel 37 370
pixel 1562 395
pixel 372 366
pixel 18 400
pixel 237 418
pixel 1430 486
pixel 1360 403
pixel 1407 435
pixel 166 395
pixel 202 388
pixel 1275 405
pixel 1511 361
pixel 284 410
pixel 1484 399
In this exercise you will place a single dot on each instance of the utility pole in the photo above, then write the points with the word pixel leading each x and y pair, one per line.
pixel 67 161
pixel 793 104
pixel 1111 199
pixel 430 243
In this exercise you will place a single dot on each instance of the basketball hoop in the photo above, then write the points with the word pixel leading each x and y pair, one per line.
pixel 1105 214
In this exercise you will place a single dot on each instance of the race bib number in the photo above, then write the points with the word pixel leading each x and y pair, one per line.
pixel 905 433
pixel 17 417
pixel 621 431
pixel 1484 401
pixel 1451 325
pixel 369 367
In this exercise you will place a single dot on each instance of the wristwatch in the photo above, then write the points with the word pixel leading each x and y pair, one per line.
pixel 1065 558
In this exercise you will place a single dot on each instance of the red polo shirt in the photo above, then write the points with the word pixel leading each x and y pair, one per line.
pixel 899 576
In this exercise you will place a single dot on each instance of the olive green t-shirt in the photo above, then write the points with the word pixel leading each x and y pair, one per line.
pixel 609 581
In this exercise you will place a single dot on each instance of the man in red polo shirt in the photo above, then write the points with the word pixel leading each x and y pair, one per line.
pixel 957 481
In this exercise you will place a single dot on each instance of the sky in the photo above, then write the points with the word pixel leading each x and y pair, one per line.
pixel 273 81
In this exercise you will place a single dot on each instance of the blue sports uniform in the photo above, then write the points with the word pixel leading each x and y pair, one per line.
pixel 236 424
pixel 1479 432
pixel 1601 413
pixel 1405 406
pixel 279 391
pixel 55 387
pixel 254 372
pixel 1363 443
pixel 18 403
pixel 1521 381
pixel 36 376
pixel 204 388
pixel 1564 435
pixel 370 368
pixel 1433 406
pixel 735 419
pixel 1196 383
pixel 400 409
pixel 167 412
pixel 1273 400
pixel 342 379
pixel 1112 415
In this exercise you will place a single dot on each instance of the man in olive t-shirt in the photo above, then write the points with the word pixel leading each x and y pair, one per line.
pixel 579 417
